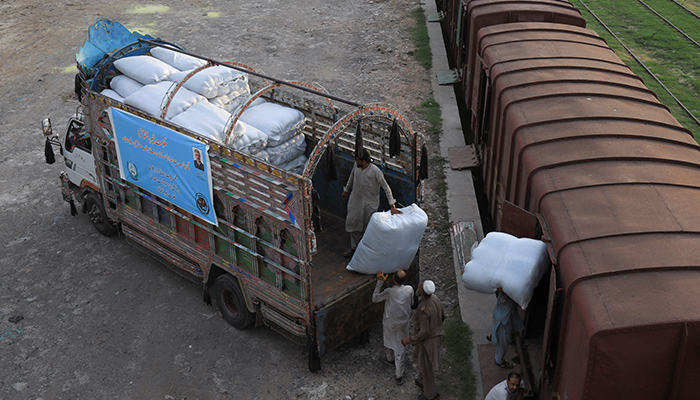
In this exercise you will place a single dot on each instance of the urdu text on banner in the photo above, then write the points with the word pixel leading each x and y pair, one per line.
pixel 166 163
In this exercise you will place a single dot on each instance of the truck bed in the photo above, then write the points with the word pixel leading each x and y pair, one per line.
pixel 329 277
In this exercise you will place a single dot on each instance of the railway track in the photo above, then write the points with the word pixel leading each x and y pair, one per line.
pixel 686 9
pixel 639 61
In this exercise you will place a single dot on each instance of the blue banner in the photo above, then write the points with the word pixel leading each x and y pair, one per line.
pixel 166 163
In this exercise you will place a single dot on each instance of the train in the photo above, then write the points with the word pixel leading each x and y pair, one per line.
pixel 577 152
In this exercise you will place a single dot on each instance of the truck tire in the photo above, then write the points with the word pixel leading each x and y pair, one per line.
pixel 231 303
pixel 98 216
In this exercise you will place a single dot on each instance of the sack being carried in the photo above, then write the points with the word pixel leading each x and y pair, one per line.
pixel 502 260
pixel 390 241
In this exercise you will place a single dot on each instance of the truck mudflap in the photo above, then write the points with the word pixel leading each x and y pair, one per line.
pixel 69 195
pixel 65 188
pixel 347 317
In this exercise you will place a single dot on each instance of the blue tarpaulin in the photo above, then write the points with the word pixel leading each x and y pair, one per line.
pixel 104 37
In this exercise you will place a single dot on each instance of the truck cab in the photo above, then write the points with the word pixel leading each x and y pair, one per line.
pixel 77 152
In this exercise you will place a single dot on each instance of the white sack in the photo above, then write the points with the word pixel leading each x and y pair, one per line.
pixel 144 69
pixel 279 122
pixel 502 260
pixel 287 151
pixel 249 138
pixel 124 85
pixel 262 155
pixel 178 60
pixel 296 165
pixel 205 119
pixel 230 101
pixel 215 81
pixel 112 94
pixel 150 97
pixel 390 241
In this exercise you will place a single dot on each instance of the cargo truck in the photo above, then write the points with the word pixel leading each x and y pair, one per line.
pixel 266 244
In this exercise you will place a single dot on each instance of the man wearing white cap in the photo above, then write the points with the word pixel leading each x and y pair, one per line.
pixel 427 340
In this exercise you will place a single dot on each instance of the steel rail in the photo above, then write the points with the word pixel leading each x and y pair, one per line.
pixel 641 63
pixel 303 88
pixel 686 9
pixel 669 22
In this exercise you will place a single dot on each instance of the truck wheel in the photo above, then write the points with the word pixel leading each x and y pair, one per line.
pixel 98 216
pixel 231 303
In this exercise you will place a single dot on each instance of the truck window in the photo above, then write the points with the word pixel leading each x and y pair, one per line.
pixel 77 137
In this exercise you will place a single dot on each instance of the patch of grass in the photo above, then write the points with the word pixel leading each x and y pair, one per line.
pixel 671 57
pixel 457 378
pixel 440 220
pixel 421 40
pixel 429 110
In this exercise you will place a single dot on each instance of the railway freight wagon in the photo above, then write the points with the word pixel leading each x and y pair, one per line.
pixel 464 18
pixel 265 240
pixel 577 152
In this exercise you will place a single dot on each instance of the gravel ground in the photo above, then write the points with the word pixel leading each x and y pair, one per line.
pixel 88 317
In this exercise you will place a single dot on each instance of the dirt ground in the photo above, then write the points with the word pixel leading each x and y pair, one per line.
pixel 88 317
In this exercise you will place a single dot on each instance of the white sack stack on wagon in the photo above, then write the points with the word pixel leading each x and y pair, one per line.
pixel 502 260
pixel 390 241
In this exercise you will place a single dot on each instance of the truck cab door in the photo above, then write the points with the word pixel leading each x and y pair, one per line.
pixel 77 151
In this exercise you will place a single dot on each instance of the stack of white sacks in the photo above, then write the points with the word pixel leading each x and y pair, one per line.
pixel 204 104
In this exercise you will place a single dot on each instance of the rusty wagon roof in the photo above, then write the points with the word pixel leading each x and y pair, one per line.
pixel 577 138
pixel 484 13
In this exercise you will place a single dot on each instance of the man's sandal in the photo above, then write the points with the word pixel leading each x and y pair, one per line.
pixel 505 364
pixel 348 253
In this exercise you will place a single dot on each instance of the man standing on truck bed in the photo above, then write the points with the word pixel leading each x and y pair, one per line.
pixel 363 185
pixel 427 340
pixel 397 313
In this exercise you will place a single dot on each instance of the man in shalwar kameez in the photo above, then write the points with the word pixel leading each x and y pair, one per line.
pixel 363 186
pixel 397 314
pixel 506 320
pixel 427 340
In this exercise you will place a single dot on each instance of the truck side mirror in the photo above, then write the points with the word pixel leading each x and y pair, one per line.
pixel 48 132
pixel 46 126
